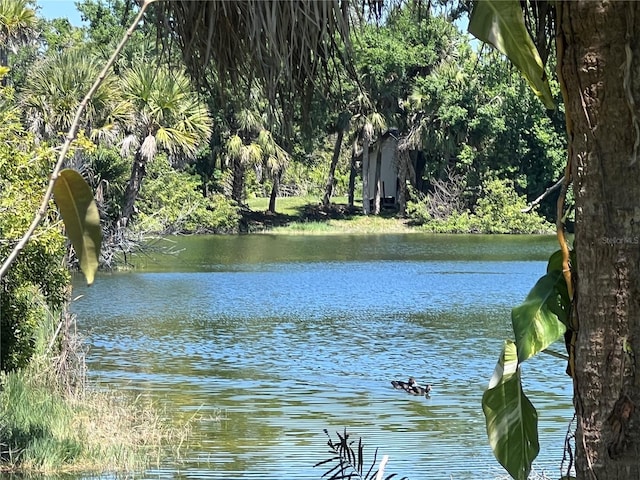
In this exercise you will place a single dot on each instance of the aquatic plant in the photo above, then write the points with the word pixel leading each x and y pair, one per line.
pixel 347 463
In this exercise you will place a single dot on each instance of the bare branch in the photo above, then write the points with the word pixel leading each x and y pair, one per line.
pixel 546 193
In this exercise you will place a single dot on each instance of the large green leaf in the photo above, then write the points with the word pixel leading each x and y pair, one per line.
pixel 561 306
pixel 81 219
pixel 555 261
pixel 542 317
pixel 512 421
pixel 501 24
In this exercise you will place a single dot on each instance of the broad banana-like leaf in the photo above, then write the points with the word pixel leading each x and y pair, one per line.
pixel 562 308
pixel 555 261
pixel 512 421
pixel 542 317
pixel 501 24
pixel 81 219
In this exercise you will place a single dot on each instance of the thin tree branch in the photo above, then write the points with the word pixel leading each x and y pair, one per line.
pixel 546 193
pixel 71 135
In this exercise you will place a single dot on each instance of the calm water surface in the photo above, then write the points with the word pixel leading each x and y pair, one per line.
pixel 271 339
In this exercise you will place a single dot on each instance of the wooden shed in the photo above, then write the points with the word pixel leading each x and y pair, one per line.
pixel 380 173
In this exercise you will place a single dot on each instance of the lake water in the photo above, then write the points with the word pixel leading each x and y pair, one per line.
pixel 271 339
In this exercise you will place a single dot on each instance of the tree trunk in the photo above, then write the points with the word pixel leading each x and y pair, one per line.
pixel 138 172
pixel 274 193
pixel 328 191
pixel 237 187
pixel 403 179
pixel 599 60
pixel 365 175
pixel 352 176
pixel 377 187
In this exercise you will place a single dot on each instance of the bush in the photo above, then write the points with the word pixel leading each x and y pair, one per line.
pixel 171 202
pixel 109 174
pixel 457 222
pixel 39 270
pixel 498 210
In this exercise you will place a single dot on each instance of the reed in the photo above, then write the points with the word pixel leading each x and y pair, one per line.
pixel 52 422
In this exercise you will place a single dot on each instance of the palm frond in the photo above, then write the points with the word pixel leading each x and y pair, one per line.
pixel 251 154
pixel 234 146
pixel 56 86
pixel 149 147
pixel 17 23
pixel 282 45
pixel 129 144
pixel 161 104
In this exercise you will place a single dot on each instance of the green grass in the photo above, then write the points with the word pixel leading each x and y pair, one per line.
pixel 356 224
pixel 292 206
pixel 51 423
pixel 44 431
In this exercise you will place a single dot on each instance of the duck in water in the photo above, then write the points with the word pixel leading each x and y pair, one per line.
pixel 412 387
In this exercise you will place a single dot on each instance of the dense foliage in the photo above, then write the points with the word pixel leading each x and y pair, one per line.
pixel 170 202
pixel 460 111
pixel 499 209
pixel 38 280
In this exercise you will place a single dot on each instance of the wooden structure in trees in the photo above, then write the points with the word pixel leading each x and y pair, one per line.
pixel 380 174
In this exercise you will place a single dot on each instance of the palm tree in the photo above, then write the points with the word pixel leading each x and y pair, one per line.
pixel 250 145
pixel 17 27
pixel 276 160
pixel 55 88
pixel 342 124
pixel 240 156
pixel 165 114
pixel 369 127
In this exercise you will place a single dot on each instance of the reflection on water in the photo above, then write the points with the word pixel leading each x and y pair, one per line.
pixel 272 339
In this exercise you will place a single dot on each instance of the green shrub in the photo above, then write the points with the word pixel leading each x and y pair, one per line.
pixel 499 210
pixel 456 222
pixel 39 271
pixel 172 202
pixel 109 176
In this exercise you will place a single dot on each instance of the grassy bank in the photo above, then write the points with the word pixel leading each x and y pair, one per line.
pixel 304 215
pixel 51 422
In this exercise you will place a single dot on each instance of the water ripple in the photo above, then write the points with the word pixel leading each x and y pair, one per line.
pixel 269 353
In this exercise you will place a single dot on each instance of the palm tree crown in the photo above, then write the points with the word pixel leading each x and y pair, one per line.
pixel 165 114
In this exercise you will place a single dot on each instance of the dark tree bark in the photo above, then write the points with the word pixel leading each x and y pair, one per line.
pixel 599 61
pixel 274 193
pixel 331 178
pixel 237 187
pixel 352 177
pixel 403 179
pixel 138 172
pixel 366 206
pixel 377 188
